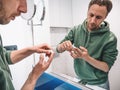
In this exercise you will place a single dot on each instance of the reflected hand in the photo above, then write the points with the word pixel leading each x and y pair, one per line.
pixel 66 45
pixel 79 53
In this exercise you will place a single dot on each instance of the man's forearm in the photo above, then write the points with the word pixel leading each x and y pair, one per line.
pixel 29 84
pixel 98 64
pixel 18 55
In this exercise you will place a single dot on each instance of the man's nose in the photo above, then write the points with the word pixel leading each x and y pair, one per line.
pixel 23 6
pixel 93 20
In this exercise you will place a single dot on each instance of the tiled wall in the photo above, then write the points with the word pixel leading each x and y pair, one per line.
pixel 63 62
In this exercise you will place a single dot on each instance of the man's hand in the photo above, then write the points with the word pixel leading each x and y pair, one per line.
pixel 18 55
pixel 83 53
pixel 80 53
pixel 42 48
pixel 39 68
pixel 65 46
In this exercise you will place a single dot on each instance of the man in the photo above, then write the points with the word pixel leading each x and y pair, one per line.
pixel 9 9
pixel 92 45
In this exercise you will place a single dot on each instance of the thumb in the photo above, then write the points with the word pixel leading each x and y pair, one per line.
pixel 41 58
pixel 82 48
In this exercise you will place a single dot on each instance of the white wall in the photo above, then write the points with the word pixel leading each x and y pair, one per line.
pixel 60 13
pixel 79 11
pixel 63 62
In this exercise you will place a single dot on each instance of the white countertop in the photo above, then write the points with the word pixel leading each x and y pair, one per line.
pixel 74 81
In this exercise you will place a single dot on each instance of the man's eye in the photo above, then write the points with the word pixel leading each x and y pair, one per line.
pixel 91 15
pixel 98 17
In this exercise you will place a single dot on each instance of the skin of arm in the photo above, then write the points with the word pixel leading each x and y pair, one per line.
pixel 19 55
pixel 83 53
pixel 39 68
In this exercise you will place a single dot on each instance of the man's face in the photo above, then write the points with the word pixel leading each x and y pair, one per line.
pixel 9 9
pixel 96 14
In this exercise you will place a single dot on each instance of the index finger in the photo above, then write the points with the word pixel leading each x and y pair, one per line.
pixel 77 50
pixel 50 57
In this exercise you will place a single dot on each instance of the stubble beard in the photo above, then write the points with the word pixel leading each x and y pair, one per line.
pixel 2 13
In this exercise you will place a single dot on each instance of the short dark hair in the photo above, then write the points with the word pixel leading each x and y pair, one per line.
pixel 106 3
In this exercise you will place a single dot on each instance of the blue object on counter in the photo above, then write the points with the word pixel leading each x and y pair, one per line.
pixel 11 47
pixel 49 82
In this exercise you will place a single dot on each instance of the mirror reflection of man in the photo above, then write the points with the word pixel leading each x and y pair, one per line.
pixel 9 9
pixel 95 45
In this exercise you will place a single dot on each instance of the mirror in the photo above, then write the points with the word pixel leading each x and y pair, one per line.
pixel 35 12
pixel 79 12
pixel 40 12
pixel 30 10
